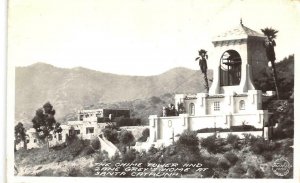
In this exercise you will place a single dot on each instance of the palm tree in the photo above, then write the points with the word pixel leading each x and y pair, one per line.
pixel 269 45
pixel 203 65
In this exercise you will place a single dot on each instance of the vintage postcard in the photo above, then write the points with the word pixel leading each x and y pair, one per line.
pixel 168 90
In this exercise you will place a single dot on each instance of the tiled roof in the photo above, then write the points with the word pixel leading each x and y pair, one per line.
pixel 241 32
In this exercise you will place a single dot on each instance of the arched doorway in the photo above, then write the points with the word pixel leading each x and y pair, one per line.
pixel 230 68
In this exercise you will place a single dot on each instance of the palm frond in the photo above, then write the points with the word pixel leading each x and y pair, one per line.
pixel 197 58
pixel 202 51
pixel 270 32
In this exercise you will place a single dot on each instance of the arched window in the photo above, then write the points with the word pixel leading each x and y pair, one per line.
pixel 242 105
pixel 192 109
pixel 230 68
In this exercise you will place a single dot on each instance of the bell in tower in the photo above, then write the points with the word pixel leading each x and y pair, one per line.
pixel 239 55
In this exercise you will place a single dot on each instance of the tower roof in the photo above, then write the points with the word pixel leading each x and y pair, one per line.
pixel 240 32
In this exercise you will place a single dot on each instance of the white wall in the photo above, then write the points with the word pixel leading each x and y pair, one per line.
pixel 163 128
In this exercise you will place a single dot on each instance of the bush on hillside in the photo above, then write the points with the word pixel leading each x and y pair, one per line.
pixel 233 140
pixel 74 172
pixel 261 145
pixel 129 156
pixel 111 134
pixel 155 100
pixel 189 139
pixel 126 138
pixel 145 135
pixel 231 157
pixel 236 171
pixel 224 163
pixel 76 147
pixel 95 143
pixel 210 144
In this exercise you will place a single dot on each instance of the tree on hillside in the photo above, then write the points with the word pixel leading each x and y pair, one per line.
pixel 44 123
pixel 126 138
pixel 145 135
pixel 111 134
pixel 269 45
pixel 20 135
pixel 203 66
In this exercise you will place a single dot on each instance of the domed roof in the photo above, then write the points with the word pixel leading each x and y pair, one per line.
pixel 240 32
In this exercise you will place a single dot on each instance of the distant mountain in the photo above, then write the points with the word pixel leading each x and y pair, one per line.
pixel 71 89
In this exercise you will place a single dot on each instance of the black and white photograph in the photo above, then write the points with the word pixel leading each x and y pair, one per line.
pixel 143 89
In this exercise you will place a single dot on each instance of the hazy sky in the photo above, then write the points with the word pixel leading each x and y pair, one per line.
pixel 136 37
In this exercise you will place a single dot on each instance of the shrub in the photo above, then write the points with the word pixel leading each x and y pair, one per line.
pixel 126 137
pixel 74 172
pixel 76 147
pixel 210 143
pixel 111 134
pixel 231 157
pixel 152 150
pixel 268 155
pixel 145 135
pixel 249 138
pixel 243 128
pixel 142 139
pixel 210 130
pixel 146 132
pixel 72 137
pixel 224 163
pixel 258 147
pixel 188 138
pixel 155 100
pixel 233 140
pixel 101 157
pixel 88 150
pixel 236 171
pixel 95 143
pixel 129 156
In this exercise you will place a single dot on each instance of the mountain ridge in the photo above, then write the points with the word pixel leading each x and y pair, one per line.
pixel 69 89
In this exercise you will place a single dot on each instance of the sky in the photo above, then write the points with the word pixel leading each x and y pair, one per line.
pixel 137 37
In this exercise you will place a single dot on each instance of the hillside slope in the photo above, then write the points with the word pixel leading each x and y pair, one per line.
pixel 71 89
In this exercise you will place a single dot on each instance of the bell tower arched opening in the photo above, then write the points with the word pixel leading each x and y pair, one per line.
pixel 230 68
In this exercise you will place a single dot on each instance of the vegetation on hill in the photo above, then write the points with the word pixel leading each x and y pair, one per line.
pixel 72 89
pixel 285 76
pixel 222 158
pixel 225 158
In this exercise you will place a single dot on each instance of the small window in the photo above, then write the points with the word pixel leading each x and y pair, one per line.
pixel 216 106
pixel 89 130
pixel 77 132
pixel 59 137
pixel 81 117
pixel 34 140
pixel 192 109
pixel 27 140
pixel 170 123
pixel 242 105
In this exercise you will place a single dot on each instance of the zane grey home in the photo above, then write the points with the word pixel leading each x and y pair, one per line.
pixel 239 56
pixel 89 124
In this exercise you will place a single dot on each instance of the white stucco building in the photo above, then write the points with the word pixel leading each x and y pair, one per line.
pixel 232 99
pixel 89 124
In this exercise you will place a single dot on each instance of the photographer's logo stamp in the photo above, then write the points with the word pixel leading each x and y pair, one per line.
pixel 281 167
